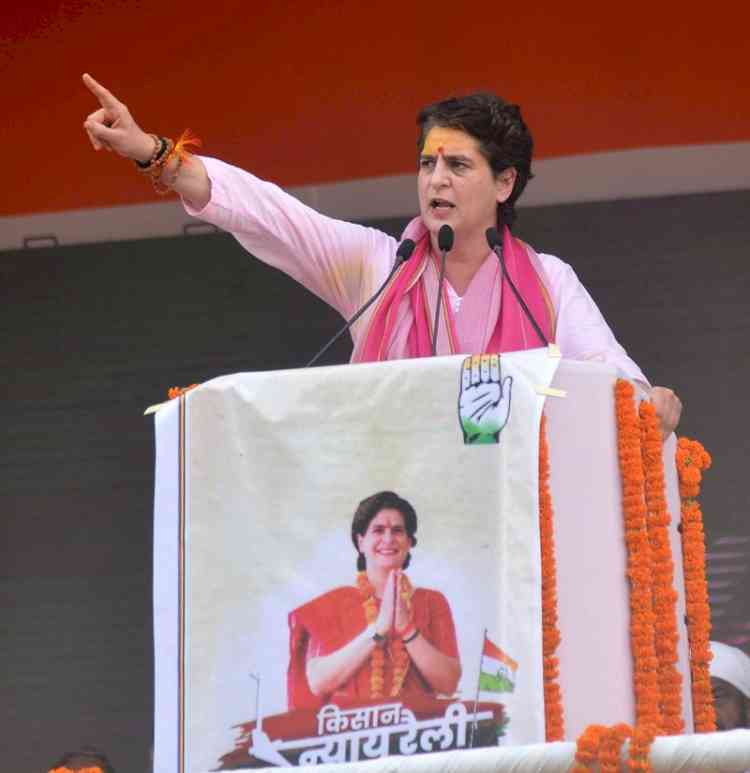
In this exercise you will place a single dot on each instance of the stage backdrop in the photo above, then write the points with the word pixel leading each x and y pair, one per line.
pixel 255 566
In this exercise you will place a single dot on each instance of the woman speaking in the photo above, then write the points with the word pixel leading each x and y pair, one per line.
pixel 474 161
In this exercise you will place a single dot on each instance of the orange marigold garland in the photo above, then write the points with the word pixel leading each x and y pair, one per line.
pixel 640 747
pixel 398 652
pixel 587 748
pixel 657 683
pixel 603 746
pixel 692 459
pixel 553 708
pixel 610 747
pixel 662 568
pixel 642 619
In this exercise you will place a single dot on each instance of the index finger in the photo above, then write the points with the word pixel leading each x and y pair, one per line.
pixel 484 368
pixel 105 97
pixel 475 380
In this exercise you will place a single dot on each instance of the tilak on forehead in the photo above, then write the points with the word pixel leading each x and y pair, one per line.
pixel 441 140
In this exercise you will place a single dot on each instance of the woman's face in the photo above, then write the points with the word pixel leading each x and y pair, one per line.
pixel 385 543
pixel 457 185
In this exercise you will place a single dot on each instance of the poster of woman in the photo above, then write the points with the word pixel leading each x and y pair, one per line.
pixel 382 637
pixel 359 580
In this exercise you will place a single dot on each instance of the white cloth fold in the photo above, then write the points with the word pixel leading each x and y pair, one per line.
pixel 732 665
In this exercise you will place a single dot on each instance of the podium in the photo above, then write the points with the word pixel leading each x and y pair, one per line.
pixel 257 478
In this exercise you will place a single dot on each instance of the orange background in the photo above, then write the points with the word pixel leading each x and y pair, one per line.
pixel 323 91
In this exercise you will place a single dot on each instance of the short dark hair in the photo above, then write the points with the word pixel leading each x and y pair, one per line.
pixel 368 508
pixel 87 757
pixel 504 139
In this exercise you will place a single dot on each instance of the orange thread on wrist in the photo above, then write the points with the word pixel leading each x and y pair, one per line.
pixel 165 150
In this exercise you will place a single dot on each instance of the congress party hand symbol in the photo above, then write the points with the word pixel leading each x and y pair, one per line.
pixel 484 402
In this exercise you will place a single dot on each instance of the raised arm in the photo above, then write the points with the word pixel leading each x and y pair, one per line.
pixel 342 263
pixel 112 128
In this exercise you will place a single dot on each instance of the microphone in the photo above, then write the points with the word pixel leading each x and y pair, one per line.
pixel 496 245
pixel 403 253
pixel 445 245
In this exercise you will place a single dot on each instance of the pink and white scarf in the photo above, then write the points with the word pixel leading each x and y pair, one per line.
pixel 491 319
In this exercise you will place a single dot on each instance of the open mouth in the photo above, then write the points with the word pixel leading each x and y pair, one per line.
pixel 441 204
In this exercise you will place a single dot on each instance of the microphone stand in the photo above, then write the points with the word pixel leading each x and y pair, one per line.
pixel 439 303
pixel 495 244
pixel 445 245
pixel 404 253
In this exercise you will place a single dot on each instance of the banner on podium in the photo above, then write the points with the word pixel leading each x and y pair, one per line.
pixel 274 648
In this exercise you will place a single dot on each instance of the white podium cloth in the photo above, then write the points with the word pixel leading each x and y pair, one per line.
pixel 595 660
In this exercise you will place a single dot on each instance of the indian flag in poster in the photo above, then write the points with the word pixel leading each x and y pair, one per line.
pixel 498 671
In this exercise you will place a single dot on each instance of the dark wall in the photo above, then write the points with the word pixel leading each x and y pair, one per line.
pixel 94 334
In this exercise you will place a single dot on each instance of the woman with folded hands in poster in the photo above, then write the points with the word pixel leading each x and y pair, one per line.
pixel 383 639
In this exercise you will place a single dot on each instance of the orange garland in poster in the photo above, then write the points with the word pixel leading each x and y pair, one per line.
pixel 692 459
pixel 553 708
pixel 639 562
pixel 662 568
pixel 399 655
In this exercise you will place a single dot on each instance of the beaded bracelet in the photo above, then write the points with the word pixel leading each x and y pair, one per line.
pixel 180 150
pixel 165 150
pixel 159 146
pixel 155 167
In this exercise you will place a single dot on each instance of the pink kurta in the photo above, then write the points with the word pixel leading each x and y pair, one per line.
pixel 344 264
